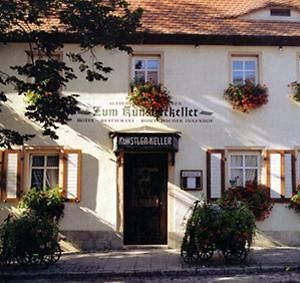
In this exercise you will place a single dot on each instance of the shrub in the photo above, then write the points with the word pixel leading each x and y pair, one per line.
pixel 29 239
pixel 247 96
pixel 255 196
pixel 46 203
pixel 228 227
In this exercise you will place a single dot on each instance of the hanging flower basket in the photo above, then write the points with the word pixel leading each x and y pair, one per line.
pixel 246 97
pixel 295 86
pixel 153 99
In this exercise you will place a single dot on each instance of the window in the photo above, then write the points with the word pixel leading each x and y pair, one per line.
pixel 281 12
pixel 243 167
pixel 146 69
pixel 244 68
pixel 44 171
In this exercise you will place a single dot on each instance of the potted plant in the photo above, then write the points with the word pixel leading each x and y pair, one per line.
pixel 247 96
pixel 295 86
pixel 153 99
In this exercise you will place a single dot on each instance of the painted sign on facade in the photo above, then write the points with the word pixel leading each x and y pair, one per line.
pixel 116 109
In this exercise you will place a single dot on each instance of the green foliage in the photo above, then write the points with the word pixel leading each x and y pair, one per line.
pixel 255 196
pixel 47 203
pixel 90 23
pixel 226 227
pixel 296 91
pixel 29 239
pixel 294 201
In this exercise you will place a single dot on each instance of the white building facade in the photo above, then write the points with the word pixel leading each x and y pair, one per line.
pixel 130 180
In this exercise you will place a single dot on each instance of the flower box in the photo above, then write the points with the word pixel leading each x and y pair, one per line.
pixel 153 99
pixel 246 97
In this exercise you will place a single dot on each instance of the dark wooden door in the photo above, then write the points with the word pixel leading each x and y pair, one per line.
pixel 145 199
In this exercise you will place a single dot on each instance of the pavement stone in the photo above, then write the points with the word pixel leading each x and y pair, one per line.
pixel 154 262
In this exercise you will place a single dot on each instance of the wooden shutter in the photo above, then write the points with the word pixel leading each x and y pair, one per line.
pixel 215 173
pixel 72 174
pixel 281 173
pixel 11 175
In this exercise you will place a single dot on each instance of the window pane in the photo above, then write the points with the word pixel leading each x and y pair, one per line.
pixel 52 161
pixel 139 77
pixel 250 65
pixel 250 75
pixel 236 177
pixel 237 65
pixel 250 175
pixel 237 77
pixel 139 64
pixel 38 160
pixel 236 161
pixel 153 64
pixel 251 161
pixel 153 77
pixel 51 178
pixel 37 178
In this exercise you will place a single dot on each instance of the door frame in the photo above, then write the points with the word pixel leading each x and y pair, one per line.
pixel 164 198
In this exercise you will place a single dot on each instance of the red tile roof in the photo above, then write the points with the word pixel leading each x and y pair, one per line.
pixel 214 17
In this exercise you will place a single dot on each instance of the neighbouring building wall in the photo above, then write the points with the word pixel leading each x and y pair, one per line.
pixel 196 78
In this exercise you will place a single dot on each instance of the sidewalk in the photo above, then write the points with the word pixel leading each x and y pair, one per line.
pixel 154 262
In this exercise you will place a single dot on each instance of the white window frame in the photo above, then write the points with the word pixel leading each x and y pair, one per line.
pixel 243 70
pixel 45 167
pixel 244 167
pixel 146 70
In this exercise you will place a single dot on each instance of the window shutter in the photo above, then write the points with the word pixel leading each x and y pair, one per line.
pixel 11 174
pixel 281 171
pixel 215 173
pixel 72 174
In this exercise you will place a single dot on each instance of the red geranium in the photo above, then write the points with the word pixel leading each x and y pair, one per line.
pixel 153 99
pixel 247 96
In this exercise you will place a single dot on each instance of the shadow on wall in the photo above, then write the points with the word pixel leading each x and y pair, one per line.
pixel 104 238
pixel 10 119
pixel 93 131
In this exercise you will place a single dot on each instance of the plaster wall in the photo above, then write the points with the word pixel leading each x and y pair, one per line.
pixel 196 77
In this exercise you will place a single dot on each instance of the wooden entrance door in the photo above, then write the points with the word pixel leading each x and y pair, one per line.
pixel 145 199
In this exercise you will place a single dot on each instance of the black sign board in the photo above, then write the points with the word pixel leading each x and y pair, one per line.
pixel 146 142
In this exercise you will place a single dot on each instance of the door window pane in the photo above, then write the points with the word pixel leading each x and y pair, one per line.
pixel 251 160
pixel 237 177
pixel 236 161
pixel 51 178
pixel 237 77
pixel 140 77
pixel 37 178
pixel 250 65
pixel 38 161
pixel 139 64
pixel 237 65
pixel 153 64
pixel 44 171
pixel 250 175
pixel 52 161
pixel 153 77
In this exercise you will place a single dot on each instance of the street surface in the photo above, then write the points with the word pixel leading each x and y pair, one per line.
pixel 264 278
